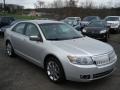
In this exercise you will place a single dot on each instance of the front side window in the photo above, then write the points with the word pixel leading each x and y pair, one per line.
pixel 59 31
pixel 19 28
pixel 31 30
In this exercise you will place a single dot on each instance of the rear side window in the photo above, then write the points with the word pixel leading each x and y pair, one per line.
pixel 19 28
pixel 31 30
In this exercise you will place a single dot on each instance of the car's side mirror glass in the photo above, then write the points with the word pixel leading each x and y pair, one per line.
pixel 35 38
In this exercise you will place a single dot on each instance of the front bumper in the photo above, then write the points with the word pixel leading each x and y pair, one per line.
pixel 96 36
pixel 86 73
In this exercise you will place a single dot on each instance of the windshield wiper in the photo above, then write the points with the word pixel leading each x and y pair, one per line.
pixel 58 39
pixel 55 39
pixel 76 37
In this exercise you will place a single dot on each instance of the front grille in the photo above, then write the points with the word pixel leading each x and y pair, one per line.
pixel 93 31
pixel 102 74
pixel 104 59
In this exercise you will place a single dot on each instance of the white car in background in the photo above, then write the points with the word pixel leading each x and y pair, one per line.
pixel 113 22
pixel 73 21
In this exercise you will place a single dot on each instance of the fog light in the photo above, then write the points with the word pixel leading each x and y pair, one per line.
pixel 85 76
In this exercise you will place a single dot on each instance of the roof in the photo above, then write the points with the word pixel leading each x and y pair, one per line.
pixel 73 17
pixel 42 21
pixel 113 16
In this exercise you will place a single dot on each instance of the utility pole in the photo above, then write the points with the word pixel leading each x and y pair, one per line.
pixel 4 5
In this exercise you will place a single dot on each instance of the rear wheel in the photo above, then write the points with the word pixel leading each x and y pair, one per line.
pixel 9 49
pixel 54 70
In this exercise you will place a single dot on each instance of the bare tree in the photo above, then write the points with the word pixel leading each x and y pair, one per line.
pixel 39 4
pixel 87 4
pixel 57 4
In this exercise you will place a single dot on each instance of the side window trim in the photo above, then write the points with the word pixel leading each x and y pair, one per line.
pixel 17 25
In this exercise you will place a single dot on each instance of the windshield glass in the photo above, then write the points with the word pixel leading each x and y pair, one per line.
pixel 70 18
pixel 112 19
pixel 89 18
pixel 97 24
pixel 59 31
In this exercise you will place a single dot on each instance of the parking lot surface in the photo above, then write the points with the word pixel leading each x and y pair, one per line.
pixel 19 74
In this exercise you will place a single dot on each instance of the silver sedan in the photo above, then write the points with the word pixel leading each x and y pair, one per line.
pixel 63 52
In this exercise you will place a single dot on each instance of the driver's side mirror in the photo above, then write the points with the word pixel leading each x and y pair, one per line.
pixel 35 38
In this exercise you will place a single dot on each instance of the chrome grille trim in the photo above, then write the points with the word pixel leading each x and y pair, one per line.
pixel 105 58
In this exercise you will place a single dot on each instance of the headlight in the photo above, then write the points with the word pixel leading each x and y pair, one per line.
pixel 103 31
pixel 84 31
pixel 82 60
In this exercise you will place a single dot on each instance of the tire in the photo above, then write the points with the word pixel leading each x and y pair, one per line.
pixel 106 38
pixel 9 50
pixel 54 70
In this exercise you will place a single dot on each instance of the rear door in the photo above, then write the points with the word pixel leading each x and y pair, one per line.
pixel 18 37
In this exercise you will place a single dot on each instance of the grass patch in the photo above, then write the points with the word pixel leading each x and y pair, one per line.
pixel 24 17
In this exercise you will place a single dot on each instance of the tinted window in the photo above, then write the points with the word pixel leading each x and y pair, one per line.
pixel 19 28
pixel 97 24
pixel 31 30
pixel 90 18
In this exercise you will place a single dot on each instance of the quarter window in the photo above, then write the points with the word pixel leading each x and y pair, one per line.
pixel 19 28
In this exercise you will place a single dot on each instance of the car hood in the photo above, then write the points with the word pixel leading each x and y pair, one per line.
pixel 83 46
pixel 111 22
pixel 94 28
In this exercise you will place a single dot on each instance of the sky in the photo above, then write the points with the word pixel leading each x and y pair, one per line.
pixel 30 3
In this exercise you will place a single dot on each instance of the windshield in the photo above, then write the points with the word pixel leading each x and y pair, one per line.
pixel 112 19
pixel 89 18
pixel 59 31
pixel 70 18
pixel 97 24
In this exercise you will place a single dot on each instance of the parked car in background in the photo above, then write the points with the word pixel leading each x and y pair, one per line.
pixel 73 21
pixel 78 27
pixel 42 19
pixel 113 22
pixel 97 30
pixel 61 50
pixel 88 19
pixel 4 28
pixel 6 20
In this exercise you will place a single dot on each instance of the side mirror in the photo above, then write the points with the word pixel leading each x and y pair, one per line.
pixel 35 38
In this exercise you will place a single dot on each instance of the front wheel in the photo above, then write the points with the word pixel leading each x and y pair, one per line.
pixel 54 70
